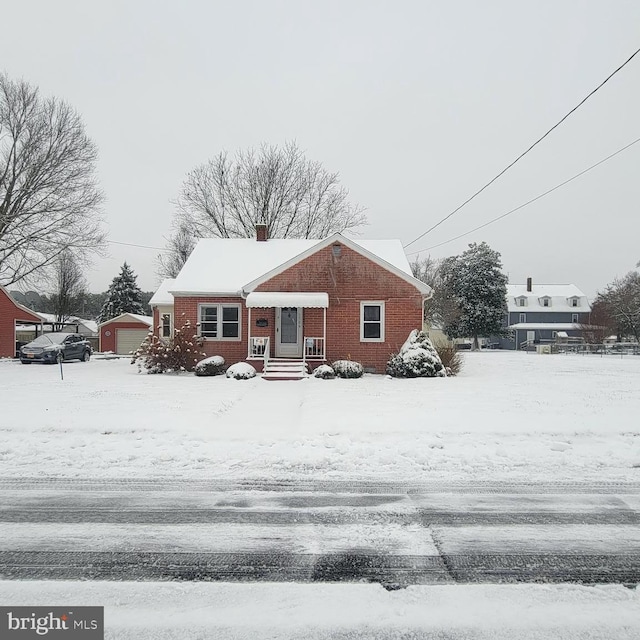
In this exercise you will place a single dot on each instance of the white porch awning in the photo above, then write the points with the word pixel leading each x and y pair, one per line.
pixel 265 299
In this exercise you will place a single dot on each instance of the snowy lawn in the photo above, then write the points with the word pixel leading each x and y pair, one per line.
pixel 508 415
pixel 190 611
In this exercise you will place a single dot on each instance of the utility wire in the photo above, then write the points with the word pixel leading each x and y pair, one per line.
pixel 542 195
pixel 140 246
pixel 524 153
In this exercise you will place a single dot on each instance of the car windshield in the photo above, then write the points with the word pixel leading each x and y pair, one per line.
pixel 48 338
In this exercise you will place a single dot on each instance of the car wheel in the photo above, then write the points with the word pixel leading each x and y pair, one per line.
pixel 85 356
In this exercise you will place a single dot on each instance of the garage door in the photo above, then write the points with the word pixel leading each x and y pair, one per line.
pixel 128 340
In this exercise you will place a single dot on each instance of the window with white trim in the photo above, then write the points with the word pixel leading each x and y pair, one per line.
pixel 546 302
pixel 165 325
pixel 372 321
pixel 219 321
pixel 574 317
pixel 521 302
pixel 523 317
pixel 574 302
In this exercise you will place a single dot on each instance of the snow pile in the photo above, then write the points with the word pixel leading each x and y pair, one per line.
pixel 241 371
pixel 348 369
pixel 417 358
pixel 212 366
pixel 325 372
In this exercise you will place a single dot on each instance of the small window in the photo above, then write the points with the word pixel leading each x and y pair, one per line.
pixel 521 302
pixel 554 334
pixel 546 302
pixel 574 302
pixel 372 322
pixel 523 317
pixel 165 325
pixel 574 317
pixel 230 324
pixel 209 321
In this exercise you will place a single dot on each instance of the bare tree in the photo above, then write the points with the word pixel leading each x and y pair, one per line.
pixel 69 287
pixel 442 308
pixel 601 325
pixel 179 247
pixel 621 300
pixel 295 197
pixel 49 197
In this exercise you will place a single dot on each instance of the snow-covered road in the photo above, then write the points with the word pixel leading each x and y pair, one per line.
pixel 73 529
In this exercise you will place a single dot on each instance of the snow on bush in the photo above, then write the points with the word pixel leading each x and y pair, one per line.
pixel 325 372
pixel 348 369
pixel 416 359
pixel 241 371
pixel 180 353
pixel 212 366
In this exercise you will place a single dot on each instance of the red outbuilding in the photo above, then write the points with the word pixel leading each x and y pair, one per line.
pixel 125 333
pixel 12 312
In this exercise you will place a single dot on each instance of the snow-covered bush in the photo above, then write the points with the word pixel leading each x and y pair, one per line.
pixel 325 372
pixel 180 353
pixel 416 359
pixel 212 366
pixel 241 371
pixel 348 369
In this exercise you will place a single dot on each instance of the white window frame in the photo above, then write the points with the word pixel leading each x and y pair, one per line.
pixel 575 302
pixel 162 316
pixel 523 317
pixel 372 303
pixel 219 321
pixel 575 318
pixel 546 301
pixel 521 301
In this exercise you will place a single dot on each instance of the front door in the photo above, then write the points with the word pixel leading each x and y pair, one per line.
pixel 288 332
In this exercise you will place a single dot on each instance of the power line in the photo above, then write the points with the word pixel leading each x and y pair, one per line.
pixel 542 195
pixel 555 126
pixel 140 246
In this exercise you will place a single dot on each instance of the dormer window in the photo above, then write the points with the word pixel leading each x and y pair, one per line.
pixel 574 302
pixel 545 301
pixel 521 301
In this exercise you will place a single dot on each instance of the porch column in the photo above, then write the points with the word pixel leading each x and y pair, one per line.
pixel 324 329
pixel 249 332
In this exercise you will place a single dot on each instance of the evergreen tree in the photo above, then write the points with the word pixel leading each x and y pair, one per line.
pixel 124 296
pixel 479 288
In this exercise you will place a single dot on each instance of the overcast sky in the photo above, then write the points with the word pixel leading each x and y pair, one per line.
pixel 416 104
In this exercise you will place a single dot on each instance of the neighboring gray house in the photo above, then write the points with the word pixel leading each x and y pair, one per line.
pixel 544 313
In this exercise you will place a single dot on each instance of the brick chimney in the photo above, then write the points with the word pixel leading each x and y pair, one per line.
pixel 261 232
pixel 529 285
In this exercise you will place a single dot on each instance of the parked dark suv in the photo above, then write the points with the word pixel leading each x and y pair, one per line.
pixel 51 347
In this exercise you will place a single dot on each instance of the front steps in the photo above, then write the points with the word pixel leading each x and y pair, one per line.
pixel 284 370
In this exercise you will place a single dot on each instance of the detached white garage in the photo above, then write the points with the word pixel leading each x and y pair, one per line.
pixel 125 333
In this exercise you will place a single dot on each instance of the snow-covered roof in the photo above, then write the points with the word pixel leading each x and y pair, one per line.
pixel 148 320
pixel 560 296
pixel 547 326
pixel 287 299
pixel 244 261
pixel 162 295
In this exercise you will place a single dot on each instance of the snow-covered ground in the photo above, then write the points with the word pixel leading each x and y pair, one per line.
pixel 186 611
pixel 508 415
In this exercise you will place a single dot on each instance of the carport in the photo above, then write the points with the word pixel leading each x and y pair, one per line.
pixel 12 312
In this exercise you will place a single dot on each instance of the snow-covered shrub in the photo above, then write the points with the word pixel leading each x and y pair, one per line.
pixel 450 357
pixel 241 371
pixel 180 353
pixel 416 359
pixel 348 369
pixel 212 366
pixel 325 372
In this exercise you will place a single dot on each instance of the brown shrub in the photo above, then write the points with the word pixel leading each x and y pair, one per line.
pixel 450 356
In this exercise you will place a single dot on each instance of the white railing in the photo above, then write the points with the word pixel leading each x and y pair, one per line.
pixel 258 348
pixel 313 348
